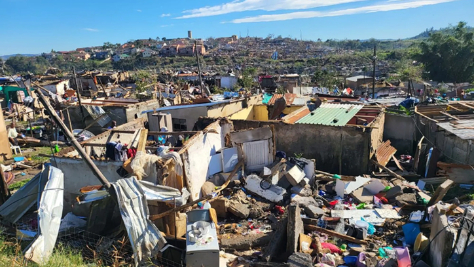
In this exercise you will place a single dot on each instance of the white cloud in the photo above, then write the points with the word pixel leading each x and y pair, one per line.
pixel 165 15
pixel 387 6
pixel 165 26
pixel 266 5
pixel 90 29
pixel 139 10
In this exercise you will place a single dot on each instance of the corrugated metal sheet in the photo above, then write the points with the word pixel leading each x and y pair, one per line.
pixel 384 153
pixel 296 115
pixel 257 154
pixel 289 98
pixel 145 238
pixel 331 114
pixel 463 129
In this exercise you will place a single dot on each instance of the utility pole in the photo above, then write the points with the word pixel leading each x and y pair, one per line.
pixel 203 87
pixel 374 59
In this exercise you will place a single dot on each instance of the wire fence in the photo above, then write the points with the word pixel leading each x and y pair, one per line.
pixel 97 249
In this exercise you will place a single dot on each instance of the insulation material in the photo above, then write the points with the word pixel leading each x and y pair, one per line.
pixel 50 210
pixel 258 154
pixel 230 158
pixel 143 166
pixel 348 187
pixel 146 240
pixel 198 152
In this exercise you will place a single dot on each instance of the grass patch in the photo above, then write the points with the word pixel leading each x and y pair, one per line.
pixel 17 185
pixel 35 155
pixel 11 255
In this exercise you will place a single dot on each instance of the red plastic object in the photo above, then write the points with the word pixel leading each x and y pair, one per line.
pixel 333 248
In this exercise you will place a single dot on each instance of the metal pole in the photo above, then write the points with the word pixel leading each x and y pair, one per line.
pixel 373 73
pixel 74 142
pixel 78 94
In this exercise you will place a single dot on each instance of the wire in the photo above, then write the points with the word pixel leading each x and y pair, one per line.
pixel 472 167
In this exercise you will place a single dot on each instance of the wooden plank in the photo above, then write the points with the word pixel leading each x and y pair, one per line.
pixel 142 140
pixel 180 208
pixel 251 135
pixel 434 180
pixel 398 163
pixel 334 234
pixel 440 192
pixel 173 133
pixel 449 115
pixel 417 155
pixel 388 170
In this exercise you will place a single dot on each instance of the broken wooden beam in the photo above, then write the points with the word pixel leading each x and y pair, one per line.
pixel 440 192
pixel 142 140
pixel 180 208
pixel 388 170
pixel 308 227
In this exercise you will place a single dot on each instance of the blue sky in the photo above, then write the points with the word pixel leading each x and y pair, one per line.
pixel 34 26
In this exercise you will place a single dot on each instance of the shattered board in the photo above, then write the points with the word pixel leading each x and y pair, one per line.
pixel 370 216
pixel 343 188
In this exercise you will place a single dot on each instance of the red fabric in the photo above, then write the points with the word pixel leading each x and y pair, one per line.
pixel 131 152
pixel 333 248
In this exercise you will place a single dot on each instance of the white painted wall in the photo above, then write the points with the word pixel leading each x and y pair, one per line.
pixel 198 155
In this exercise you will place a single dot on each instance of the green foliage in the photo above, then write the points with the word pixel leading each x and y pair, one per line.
pixel 17 185
pixel 324 78
pixel 143 79
pixel 247 80
pixel 449 57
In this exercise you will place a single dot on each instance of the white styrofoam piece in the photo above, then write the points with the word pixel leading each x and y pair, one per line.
pixel 274 193
pixel 369 215
pixel 388 213
pixel 375 187
pixel 230 158
pixel 295 175
pixel 348 187
pixel 215 165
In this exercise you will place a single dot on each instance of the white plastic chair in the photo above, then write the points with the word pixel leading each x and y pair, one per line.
pixel 15 149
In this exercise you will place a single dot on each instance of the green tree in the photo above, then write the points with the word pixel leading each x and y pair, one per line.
pixel 143 79
pixel 449 57
pixel 247 78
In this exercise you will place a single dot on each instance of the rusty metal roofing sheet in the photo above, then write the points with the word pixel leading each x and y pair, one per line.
pixel 296 115
pixel 331 114
pixel 384 153
pixel 289 98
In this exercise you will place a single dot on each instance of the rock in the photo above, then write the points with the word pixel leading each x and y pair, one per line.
pixel 302 191
pixel 238 209
pixel 406 199
pixel 207 188
pixel 394 191
pixel 362 195
pixel 305 201
pixel 220 205
pixel 300 260
pixel 239 242
pixel 313 211
pixel 295 227
pixel 276 246
pixel 256 212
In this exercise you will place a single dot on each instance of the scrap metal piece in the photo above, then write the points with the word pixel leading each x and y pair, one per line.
pixel 145 238
pixel 384 153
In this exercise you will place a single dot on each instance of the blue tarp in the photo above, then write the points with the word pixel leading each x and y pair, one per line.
pixel 409 102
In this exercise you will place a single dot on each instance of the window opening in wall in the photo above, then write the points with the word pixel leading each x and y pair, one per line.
pixel 179 125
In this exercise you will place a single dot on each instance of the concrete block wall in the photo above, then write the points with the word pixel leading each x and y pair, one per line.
pixel 327 144
pixel 400 130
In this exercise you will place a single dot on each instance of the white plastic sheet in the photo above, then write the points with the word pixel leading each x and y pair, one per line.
pixel 50 210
